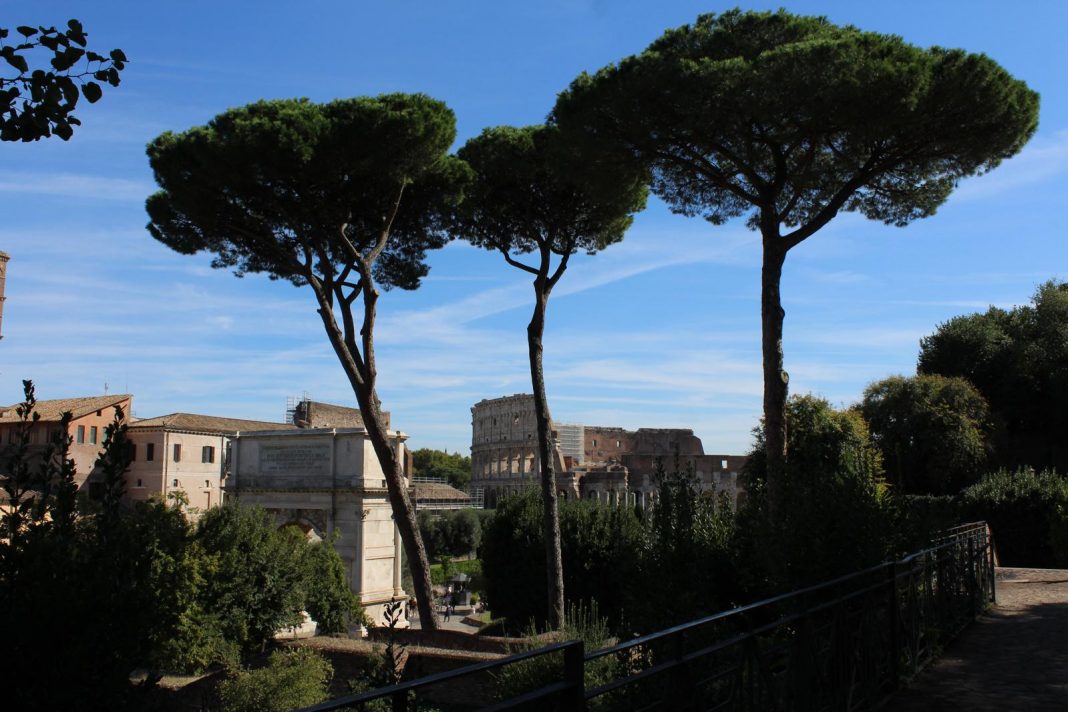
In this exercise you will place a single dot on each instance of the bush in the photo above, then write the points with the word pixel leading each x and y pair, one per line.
pixel 835 516
pixel 581 622
pixel 685 565
pixel 293 678
pixel 450 533
pixel 917 520
pixel 932 431
pixel 1026 511
pixel 598 544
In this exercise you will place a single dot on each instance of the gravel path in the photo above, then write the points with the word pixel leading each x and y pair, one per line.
pixel 1013 658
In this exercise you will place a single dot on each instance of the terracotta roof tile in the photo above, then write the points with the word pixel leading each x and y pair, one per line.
pixel 206 424
pixel 52 410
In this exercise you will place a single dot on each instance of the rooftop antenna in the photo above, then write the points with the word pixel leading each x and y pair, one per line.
pixel 105 387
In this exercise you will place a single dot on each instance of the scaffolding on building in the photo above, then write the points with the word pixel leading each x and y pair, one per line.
pixel 432 496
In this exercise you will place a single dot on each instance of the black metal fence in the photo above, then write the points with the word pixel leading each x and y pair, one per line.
pixel 839 646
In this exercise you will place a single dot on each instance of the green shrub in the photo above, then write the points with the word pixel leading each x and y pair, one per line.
pixel 293 678
pixel 598 544
pixel 581 622
pixel 1025 509
pixel 917 519
pixel 834 517
pixel 684 563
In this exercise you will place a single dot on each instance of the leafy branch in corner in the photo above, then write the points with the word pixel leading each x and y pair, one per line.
pixel 38 102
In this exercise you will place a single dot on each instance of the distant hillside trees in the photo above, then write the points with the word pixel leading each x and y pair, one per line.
pixel 454 467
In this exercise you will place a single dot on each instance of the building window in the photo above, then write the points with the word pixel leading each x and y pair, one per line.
pixel 177 453
pixel 617 443
pixel 92 435
pixel 595 443
pixel 56 435
pixel 80 437
pixel 139 483
pixel 207 454
pixel 174 482
pixel 150 452
pixel 132 449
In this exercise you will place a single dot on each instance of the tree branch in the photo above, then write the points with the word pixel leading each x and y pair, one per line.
pixel 514 262
pixel 383 237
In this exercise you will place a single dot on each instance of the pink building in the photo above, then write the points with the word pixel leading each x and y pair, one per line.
pixel 187 453
pixel 89 417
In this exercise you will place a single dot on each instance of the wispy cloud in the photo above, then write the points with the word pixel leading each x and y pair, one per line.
pixel 74 185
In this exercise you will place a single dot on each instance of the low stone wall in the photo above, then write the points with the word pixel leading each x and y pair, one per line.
pixel 443 639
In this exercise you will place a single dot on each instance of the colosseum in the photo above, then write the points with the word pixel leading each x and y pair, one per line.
pixel 604 464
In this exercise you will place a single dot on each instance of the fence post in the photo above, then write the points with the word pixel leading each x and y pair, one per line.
pixel 992 562
pixel 972 583
pixel 575 676
pixel 893 615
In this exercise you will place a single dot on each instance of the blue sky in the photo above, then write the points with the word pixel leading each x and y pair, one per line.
pixel 661 330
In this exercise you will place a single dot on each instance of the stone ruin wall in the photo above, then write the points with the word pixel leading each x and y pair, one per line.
pixel 618 465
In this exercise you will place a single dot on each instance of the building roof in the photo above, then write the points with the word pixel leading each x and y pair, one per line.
pixel 315 414
pixel 438 491
pixel 205 424
pixel 53 410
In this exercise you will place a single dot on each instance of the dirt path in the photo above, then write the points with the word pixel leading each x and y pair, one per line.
pixel 1013 658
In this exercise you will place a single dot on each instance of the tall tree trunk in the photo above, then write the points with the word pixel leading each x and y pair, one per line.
pixel 403 512
pixel 554 568
pixel 776 380
pixel 401 503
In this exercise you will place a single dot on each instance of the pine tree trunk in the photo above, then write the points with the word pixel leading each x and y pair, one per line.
pixel 554 566
pixel 403 510
pixel 362 381
pixel 776 380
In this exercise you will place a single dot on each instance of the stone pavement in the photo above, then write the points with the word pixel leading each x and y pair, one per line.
pixel 1013 658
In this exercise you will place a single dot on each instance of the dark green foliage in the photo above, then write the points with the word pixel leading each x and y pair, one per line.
pixel 436 463
pixel 835 519
pixel 917 519
pixel 686 566
pixel 532 190
pixel 298 677
pixel 1018 359
pixel 1027 512
pixel 789 120
pixel 86 599
pixel 254 580
pixel 749 111
pixel 328 599
pixel 38 102
pixel 344 197
pixel 91 598
pixel 598 543
pixel 450 533
pixel 581 622
pixel 441 573
pixel 269 187
pixel 931 430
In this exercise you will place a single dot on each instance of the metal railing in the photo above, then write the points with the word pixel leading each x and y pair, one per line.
pixel 841 645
